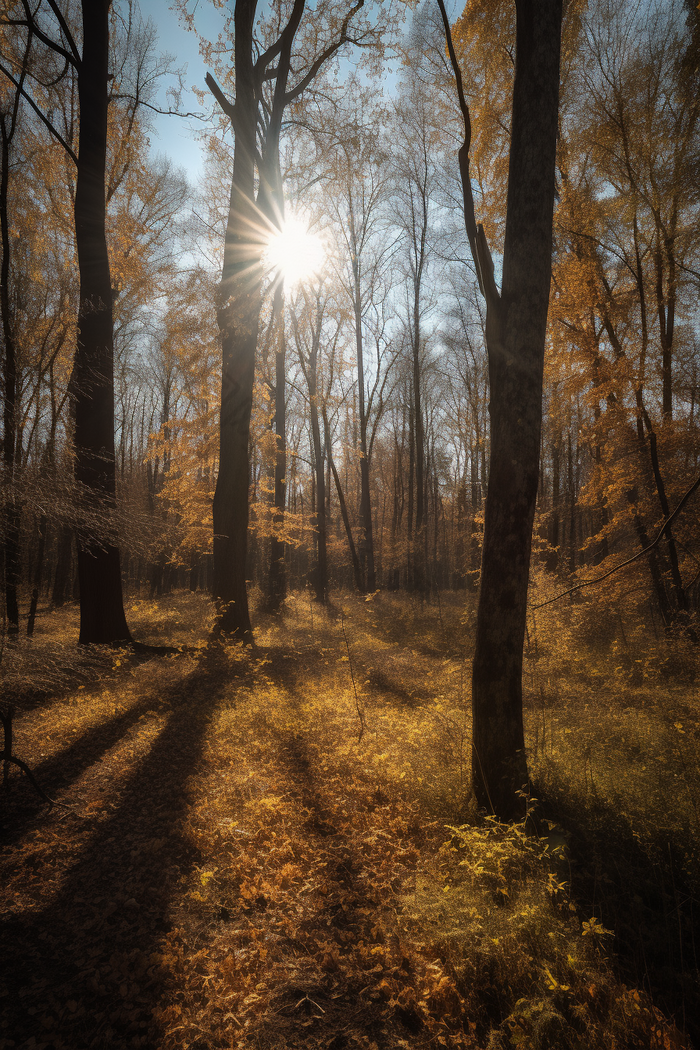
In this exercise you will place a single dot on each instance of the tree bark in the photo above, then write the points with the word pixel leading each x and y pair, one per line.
pixel 366 544
pixel 356 569
pixel 12 513
pixel 102 617
pixel 238 317
pixel 516 328
pixel 277 578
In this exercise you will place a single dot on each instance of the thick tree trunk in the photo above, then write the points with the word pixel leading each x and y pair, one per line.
pixel 516 337
pixel 238 317
pixel 101 605
pixel 12 514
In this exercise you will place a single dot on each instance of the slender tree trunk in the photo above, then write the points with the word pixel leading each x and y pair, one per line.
pixel 367 538
pixel 102 617
pixel 356 569
pixel 420 545
pixel 277 579
pixel 515 337
pixel 411 489
pixel 664 605
pixel 38 573
pixel 63 567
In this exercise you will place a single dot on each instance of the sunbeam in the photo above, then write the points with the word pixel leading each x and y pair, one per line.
pixel 294 253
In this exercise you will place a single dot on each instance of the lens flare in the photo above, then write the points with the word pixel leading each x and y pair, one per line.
pixel 294 253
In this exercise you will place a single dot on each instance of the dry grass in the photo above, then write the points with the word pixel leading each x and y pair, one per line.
pixel 245 865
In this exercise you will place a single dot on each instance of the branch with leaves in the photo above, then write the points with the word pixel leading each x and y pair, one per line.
pixel 640 554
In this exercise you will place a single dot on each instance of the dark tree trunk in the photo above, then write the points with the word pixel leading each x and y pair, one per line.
pixel 12 513
pixel 38 573
pixel 356 569
pixel 63 567
pixel 516 326
pixel 420 534
pixel 411 489
pixel 277 579
pixel 664 604
pixel 366 544
pixel 238 317
pixel 102 617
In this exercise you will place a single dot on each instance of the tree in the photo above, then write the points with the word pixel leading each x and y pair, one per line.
pixel 516 323
pixel 254 115
pixel 101 604
pixel 357 202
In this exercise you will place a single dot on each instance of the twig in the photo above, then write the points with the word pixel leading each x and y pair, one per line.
pixel 654 543
pixel 7 757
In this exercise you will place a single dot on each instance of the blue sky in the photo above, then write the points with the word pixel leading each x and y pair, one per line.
pixel 173 135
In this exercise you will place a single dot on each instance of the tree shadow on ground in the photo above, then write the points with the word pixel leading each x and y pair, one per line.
pixel 328 999
pixel 643 892
pixel 85 969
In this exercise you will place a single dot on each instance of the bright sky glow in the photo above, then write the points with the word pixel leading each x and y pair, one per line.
pixel 294 253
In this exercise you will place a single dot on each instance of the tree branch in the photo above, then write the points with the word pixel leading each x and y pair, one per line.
pixel 66 31
pixel 654 543
pixel 326 54
pixel 481 255
pixel 45 121
pixel 228 108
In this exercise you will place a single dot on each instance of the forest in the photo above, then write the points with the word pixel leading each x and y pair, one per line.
pixel 350 527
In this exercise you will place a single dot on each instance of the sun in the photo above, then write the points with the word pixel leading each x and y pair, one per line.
pixel 294 253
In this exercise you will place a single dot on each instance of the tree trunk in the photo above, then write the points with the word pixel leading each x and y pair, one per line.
pixel 238 317
pixel 11 523
pixel 515 339
pixel 63 567
pixel 420 541
pixel 277 579
pixel 356 569
pixel 366 536
pixel 38 573
pixel 102 617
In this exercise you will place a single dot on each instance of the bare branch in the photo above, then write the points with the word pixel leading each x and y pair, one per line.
pixel 66 31
pixel 228 107
pixel 326 54
pixel 477 238
pixel 654 543
pixel 44 120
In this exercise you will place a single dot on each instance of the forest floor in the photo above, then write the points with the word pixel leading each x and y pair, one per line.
pixel 277 847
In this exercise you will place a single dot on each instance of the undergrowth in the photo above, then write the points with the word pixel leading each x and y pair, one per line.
pixel 277 847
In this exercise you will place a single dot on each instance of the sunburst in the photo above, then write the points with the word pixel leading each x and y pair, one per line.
pixel 294 253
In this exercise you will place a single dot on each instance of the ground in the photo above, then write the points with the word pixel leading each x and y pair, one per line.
pixel 277 847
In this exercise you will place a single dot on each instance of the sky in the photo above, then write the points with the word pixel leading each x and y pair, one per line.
pixel 174 135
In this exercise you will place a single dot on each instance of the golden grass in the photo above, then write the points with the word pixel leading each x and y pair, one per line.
pixel 263 854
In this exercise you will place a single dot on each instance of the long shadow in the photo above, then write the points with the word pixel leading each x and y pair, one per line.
pixel 84 970
pixel 66 766
pixel 393 690
pixel 644 895
pixel 348 913
pixel 84 671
